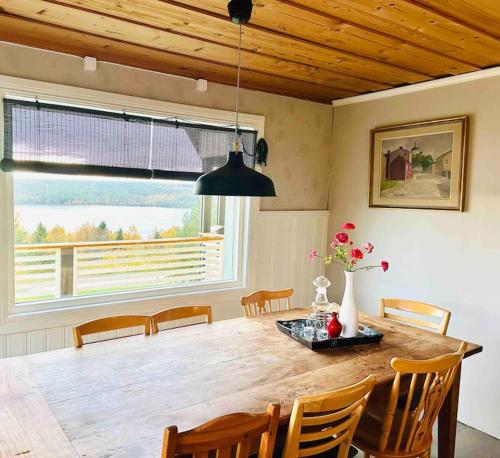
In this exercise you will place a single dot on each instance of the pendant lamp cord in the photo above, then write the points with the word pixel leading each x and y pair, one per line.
pixel 236 133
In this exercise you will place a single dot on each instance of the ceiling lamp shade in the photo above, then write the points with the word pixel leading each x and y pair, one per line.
pixel 235 178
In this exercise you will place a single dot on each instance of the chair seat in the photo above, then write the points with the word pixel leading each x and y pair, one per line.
pixel 278 453
pixel 377 404
pixel 368 434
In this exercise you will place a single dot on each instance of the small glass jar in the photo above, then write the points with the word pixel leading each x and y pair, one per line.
pixel 297 329
pixel 322 334
pixel 309 330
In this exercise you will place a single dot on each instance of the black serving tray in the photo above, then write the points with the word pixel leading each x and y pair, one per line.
pixel 366 335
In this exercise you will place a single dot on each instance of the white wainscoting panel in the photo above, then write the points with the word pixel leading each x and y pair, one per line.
pixel 281 243
pixel 286 239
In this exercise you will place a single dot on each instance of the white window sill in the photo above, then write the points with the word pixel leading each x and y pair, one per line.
pixel 19 320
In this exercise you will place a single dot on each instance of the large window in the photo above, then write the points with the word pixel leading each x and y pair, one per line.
pixel 84 236
pixel 103 209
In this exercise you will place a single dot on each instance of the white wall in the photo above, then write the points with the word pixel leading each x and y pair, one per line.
pixel 447 258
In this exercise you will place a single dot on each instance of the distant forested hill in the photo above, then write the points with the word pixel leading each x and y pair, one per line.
pixel 30 191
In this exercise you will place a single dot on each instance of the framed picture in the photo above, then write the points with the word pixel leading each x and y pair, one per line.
pixel 419 165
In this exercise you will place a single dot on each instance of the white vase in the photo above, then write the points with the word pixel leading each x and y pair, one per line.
pixel 348 315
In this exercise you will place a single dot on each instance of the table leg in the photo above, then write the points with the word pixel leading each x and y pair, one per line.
pixel 447 421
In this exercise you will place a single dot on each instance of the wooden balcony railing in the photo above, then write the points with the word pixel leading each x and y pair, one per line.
pixel 52 271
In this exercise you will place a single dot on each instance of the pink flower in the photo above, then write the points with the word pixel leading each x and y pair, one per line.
pixel 349 226
pixel 356 253
pixel 385 266
pixel 333 244
pixel 313 254
pixel 341 237
pixel 368 247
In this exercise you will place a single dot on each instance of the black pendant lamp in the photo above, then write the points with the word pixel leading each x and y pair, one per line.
pixel 235 178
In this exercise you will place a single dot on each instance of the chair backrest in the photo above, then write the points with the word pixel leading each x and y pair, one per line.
pixel 411 429
pixel 179 313
pixel 261 302
pixel 417 308
pixel 321 422
pixel 109 323
pixel 225 437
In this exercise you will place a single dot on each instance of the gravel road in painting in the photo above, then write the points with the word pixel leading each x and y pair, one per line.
pixel 421 186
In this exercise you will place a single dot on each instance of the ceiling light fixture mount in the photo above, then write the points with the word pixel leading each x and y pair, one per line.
pixel 235 178
pixel 240 11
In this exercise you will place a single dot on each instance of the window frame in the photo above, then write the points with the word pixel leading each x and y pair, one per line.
pixel 86 306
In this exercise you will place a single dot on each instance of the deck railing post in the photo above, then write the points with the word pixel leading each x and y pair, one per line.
pixel 67 271
pixel 206 214
pixel 57 273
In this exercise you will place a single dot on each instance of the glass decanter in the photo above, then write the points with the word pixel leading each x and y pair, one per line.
pixel 320 304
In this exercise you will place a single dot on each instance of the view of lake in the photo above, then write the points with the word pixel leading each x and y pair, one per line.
pixel 71 217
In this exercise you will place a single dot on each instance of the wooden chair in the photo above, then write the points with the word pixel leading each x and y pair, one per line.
pixel 321 422
pixel 417 308
pixel 406 432
pixel 261 302
pixel 109 323
pixel 225 437
pixel 179 313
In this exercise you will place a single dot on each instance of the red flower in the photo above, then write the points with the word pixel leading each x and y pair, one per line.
pixel 385 266
pixel 349 226
pixel 368 247
pixel 313 254
pixel 341 237
pixel 356 253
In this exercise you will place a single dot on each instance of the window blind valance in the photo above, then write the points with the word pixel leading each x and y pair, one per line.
pixel 47 138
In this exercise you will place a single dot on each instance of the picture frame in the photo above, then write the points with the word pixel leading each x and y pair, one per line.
pixel 419 165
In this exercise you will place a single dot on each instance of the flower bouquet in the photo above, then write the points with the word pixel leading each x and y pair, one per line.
pixel 344 252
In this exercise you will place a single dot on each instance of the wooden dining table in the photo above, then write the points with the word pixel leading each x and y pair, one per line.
pixel 114 398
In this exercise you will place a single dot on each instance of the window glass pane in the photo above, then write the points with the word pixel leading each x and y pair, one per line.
pixel 80 236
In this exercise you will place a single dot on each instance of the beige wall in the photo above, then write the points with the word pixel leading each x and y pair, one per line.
pixel 447 258
pixel 298 132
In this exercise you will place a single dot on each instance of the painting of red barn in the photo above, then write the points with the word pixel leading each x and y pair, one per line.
pixel 398 165
pixel 419 165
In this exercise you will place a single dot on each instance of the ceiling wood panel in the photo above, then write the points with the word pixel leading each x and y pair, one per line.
pixel 483 15
pixel 32 33
pixel 183 18
pixel 103 25
pixel 318 50
pixel 406 20
pixel 304 22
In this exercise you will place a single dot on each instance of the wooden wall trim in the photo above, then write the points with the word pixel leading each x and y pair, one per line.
pixel 425 86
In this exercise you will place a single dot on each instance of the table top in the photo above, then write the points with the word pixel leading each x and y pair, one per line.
pixel 114 398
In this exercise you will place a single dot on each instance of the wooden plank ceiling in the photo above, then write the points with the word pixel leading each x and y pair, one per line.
pixel 312 49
